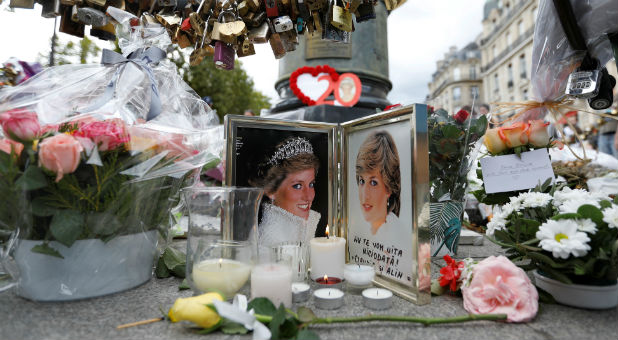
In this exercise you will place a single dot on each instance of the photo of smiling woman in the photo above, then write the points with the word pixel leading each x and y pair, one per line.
pixel 288 179
pixel 377 234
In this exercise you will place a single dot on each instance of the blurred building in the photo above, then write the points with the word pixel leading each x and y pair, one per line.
pixel 502 64
pixel 457 80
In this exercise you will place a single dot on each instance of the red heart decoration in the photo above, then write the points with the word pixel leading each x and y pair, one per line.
pixel 314 71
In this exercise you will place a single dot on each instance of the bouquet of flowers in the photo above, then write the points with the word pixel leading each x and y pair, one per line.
pixel 453 143
pixel 568 235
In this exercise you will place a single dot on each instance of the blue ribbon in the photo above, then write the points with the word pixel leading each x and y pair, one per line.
pixel 142 58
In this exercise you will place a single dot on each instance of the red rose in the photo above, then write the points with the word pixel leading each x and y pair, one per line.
pixel 451 273
pixel 461 116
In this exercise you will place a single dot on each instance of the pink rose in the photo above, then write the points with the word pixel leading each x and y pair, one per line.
pixel 500 287
pixel 514 135
pixel 60 154
pixel 537 134
pixel 424 259
pixel 7 145
pixel 107 135
pixel 20 125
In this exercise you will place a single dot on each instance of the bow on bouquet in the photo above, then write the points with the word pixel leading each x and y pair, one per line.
pixel 493 285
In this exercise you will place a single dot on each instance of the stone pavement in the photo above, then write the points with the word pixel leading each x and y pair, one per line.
pixel 97 318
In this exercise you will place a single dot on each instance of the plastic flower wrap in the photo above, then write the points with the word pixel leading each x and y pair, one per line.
pixel 453 144
pixel 99 152
pixel 568 235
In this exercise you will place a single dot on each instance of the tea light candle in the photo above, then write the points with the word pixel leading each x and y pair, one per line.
pixel 300 292
pixel 333 282
pixel 328 298
pixel 226 276
pixel 358 275
pixel 273 281
pixel 377 298
pixel 327 256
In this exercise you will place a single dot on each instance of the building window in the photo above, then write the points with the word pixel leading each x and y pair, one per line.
pixel 496 83
pixel 494 51
pixel 474 92
pixel 520 27
pixel 522 66
pixel 525 93
pixel 509 41
pixel 472 72
pixel 456 94
pixel 509 69
pixel 456 74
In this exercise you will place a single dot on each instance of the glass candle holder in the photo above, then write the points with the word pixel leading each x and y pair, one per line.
pixel 272 278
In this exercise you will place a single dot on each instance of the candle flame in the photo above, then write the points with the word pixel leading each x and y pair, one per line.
pixel 325 278
pixel 220 262
pixel 327 227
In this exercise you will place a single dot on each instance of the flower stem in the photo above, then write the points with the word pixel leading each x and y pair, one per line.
pixel 424 321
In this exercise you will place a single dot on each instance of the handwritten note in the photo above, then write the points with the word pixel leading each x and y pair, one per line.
pixel 510 173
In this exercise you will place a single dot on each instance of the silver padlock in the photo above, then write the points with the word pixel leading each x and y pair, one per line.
pixel 283 23
pixel 91 16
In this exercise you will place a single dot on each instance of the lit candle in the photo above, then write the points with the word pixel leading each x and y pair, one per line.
pixel 226 276
pixel 377 298
pixel 327 256
pixel 273 281
pixel 358 275
pixel 327 281
pixel 300 292
pixel 328 298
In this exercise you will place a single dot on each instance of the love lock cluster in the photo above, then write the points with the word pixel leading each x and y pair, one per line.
pixel 218 28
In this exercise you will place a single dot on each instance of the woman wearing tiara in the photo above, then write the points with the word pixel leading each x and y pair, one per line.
pixel 288 179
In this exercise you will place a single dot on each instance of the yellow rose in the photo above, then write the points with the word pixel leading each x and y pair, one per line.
pixel 515 135
pixel 493 141
pixel 537 134
pixel 194 309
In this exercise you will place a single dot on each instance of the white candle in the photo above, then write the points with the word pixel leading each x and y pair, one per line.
pixel 226 276
pixel 300 292
pixel 328 298
pixel 377 298
pixel 358 275
pixel 273 281
pixel 327 257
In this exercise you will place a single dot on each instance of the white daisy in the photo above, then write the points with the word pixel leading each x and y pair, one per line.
pixel 567 194
pixel 536 199
pixel 572 205
pixel 515 202
pixel 496 223
pixel 610 216
pixel 562 239
pixel 586 225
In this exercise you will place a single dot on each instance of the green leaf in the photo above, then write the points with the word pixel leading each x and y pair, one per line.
pixel 229 327
pixel 289 328
pixel 567 216
pixel 32 179
pixel 262 305
pixel 66 226
pixel 175 261
pixel 41 209
pixel 46 250
pixel 184 285
pixel 605 204
pixel 161 270
pixel 591 212
pixel 451 131
pixel 276 322
pixel 305 314
pixel 546 259
pixel 306 334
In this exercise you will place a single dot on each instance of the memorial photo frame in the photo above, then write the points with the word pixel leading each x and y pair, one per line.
pixel 338 198
pixel 250 141
pixel 385 198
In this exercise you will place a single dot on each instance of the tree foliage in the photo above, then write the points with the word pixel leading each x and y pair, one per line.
pixel 82 51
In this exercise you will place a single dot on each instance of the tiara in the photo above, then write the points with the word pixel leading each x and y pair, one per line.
pixel 290 149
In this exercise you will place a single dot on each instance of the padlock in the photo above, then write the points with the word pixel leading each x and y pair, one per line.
pixel 353 5
pixel 247 18
pixel 50 8
pixel 258 19
pixel 290 40
pixel 223 5
pixel 71 2
pixel 316 5
pixel 277 45
pixel 259 35
pixel 283 23
pixel 365 11
pixel 242 8
pixel 271 8
pixel 197 23
pixel 205 6
pixel 91 16
pixel 317 22
pixel 106 32
pixel 169 20
pixel 29 4
pixel 332 33
pixel 199 54
pixel 254 5
pixel 167 3
pixel 228 31
pixel 303 9
pixel 148 20
pixel 246 48
pixel 181 39
pixel 300 26
pixel 99 3
pixel 224 56
pixel 68 26
pixel 340 17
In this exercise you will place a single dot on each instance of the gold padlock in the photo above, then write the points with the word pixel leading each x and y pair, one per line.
pixel 169 21
pixel 71 2
pixel 254 5
pixel 317 22
pixel 228 32
pixel 277 45
pixel 199 54
pixel 181 38
pixel 341 17
pixel 290 40
pixel 100 3
pixel 242 8
pixel 197 23
pixel 246 48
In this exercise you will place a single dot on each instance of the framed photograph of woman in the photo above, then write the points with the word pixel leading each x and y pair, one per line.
pixel 294 162
pixel 384 190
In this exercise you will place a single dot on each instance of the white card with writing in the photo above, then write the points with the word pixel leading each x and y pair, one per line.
pixel 511 173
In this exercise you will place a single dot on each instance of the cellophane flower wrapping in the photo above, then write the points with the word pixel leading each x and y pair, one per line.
pixel 553 59
pixel 99 152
